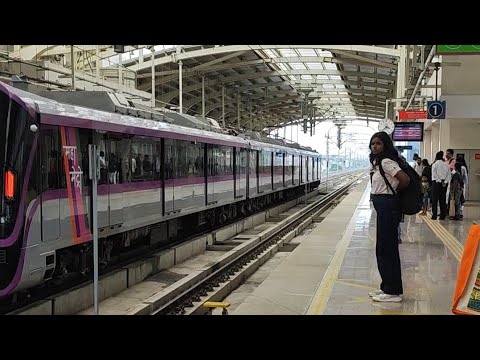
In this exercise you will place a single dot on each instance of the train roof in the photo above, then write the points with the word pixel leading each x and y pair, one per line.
pixel 58 113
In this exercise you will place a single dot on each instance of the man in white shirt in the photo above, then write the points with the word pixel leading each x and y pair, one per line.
pixel 450 160
pixel 441 176
pixel 418 167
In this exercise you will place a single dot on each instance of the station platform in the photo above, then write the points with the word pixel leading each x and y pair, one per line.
pixel 334 267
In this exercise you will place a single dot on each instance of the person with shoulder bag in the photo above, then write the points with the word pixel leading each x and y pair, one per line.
pixel 384 158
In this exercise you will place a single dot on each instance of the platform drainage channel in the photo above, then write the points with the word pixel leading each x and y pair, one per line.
pixel 288 247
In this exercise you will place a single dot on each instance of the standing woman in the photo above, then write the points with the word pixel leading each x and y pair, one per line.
pixel 387 206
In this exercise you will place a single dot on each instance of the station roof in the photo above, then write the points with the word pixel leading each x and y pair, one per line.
pixel 274 82
pixel 274 85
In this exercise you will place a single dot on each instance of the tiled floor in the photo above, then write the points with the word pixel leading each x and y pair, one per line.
pixel 429 269
pixel 334 267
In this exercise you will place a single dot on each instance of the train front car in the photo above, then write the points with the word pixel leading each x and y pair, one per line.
pixel 18 191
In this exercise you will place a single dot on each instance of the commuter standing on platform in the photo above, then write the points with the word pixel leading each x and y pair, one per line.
pixel 440 179
pixel 387 206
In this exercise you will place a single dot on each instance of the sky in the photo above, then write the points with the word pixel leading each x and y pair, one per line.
pixel 355 137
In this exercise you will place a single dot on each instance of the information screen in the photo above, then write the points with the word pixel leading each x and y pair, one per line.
pixel 408 131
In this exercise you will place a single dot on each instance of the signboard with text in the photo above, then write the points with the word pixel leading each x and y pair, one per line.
pixel 412 114
pixel 408 131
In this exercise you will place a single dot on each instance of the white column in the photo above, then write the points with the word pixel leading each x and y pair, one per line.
pixel 203 96
pixel 140 56
pixel 72 60
pixel 223 106
pixel 180 88
pixel 153 76
pixel 435 138
pixel 402 62
pixel 444 136
pixel 427 146
pixel 238 111
pixel 120 79
pixel 98 64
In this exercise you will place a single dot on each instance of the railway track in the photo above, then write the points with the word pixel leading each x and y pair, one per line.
pixel 225 277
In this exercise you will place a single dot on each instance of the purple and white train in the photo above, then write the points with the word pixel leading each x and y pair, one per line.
pixel 156 181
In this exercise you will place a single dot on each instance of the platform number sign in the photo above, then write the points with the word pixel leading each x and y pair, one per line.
pixel 436 109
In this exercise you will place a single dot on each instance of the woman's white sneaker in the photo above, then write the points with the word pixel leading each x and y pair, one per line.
pixel 375 293
pixel 387 298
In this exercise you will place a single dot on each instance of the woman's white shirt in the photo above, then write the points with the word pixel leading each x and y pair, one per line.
pixel 391 168
pixel 464 175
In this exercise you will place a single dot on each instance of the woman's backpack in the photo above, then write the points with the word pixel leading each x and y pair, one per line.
pixel 410 197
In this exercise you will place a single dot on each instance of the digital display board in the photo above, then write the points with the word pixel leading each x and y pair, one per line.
pixel 408 131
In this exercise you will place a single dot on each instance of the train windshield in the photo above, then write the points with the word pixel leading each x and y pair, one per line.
pixel 15 146
pixel 4 105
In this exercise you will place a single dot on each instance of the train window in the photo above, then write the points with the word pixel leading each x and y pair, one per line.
pixel 220 160
pixel 212 167
pixel 50 159
pixel 145 159
pixel 278 163
pixel 100 141
pixel 253 162
pixel 169 151
pixel 225 160
pixel 157 156
pixel 194 159
pixel 241 161
pixel 119 159
pixel 265 165
pixel 189 159
pixel 181 166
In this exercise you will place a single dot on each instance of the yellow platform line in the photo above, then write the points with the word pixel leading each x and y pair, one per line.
pixel 320 299
pixel 448 235
pixel 450 241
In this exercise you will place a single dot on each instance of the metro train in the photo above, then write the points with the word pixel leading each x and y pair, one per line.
pixel 156 180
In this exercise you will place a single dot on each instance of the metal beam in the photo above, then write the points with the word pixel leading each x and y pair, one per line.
pixel 172 94
pixel 364 59
pixel 172 58
pixel 331 92
pixel 266 74
pixel 195 70
pixel 337 73
pixel 333 60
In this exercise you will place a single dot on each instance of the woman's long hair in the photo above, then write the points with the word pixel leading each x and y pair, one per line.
pixel 389 151
pixel 425 162
pixel 461 160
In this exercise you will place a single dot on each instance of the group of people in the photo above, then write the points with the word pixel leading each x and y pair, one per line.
pixel 387 177
pixel 444 183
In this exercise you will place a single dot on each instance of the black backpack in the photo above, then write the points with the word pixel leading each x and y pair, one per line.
pixel 410 197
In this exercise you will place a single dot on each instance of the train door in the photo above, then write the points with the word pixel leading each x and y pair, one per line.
pixel 51 188
pixel 252 173
pixel 212 169
pixel 301 170
pixel 169 175
pixel 103 216
pixel 114 170
pixel 240 172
